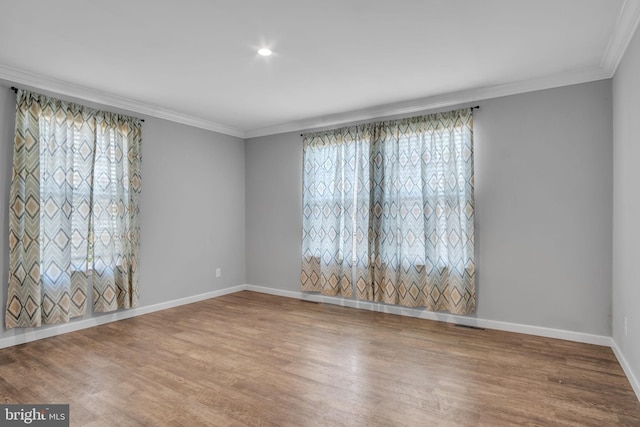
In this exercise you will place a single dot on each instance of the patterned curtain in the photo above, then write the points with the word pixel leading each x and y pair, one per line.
pixel 115 220
pixel 52 210
pixel 422 232
pixel 410 222
pixel 335 212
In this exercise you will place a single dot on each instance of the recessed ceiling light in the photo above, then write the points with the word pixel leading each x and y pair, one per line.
pixel 264 51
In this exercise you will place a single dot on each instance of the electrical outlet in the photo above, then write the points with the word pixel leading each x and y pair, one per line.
pixel 625 326
pixel 219 274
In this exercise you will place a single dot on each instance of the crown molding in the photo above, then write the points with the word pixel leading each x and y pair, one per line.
pixel 623 32
pixel 436 102
pixel 626 25
pixel 37 81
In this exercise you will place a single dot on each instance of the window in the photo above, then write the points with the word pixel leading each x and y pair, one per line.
pixel 74 206
pixel 388 211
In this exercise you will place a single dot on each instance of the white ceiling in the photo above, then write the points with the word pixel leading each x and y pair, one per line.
pixel 195 61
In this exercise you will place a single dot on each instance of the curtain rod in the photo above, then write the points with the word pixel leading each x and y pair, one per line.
pixel 477 107
pixel 15 90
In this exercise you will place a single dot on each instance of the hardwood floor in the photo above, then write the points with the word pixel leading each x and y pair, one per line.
pixel 254 359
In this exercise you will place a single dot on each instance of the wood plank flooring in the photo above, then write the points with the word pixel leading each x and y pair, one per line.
pixel 254 359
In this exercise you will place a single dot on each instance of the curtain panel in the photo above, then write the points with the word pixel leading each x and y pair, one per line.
pixel 335 212
pixel 408 220
pixel 116 212
pixel 75 190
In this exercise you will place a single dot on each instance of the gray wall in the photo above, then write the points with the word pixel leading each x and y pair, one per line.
pixel 192 208
pixel 274 210
pixel 626 205
pixel 543 164
pixel 543 208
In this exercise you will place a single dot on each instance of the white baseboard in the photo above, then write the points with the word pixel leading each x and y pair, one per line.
pixel 441 317
pixel 32 334
pixel 469 321
pixel 626 368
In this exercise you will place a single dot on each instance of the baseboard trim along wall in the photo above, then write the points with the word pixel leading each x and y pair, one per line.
pixel 626 368
pixel 463 320
pixel 25 335
pixel 32 334
pixel 441 317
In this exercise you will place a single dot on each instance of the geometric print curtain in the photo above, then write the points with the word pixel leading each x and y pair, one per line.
pixel 422 231
pixel 53 208
pixel 116 212
pixel 335 212
pixel 418 224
